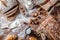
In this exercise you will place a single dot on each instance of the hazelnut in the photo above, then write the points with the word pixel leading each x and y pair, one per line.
pixel 34 14
pixel 39 9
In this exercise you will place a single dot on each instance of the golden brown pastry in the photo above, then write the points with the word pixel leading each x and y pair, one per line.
pixel 32 38
pixel 11 37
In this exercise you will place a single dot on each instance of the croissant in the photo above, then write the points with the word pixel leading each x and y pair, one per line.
pixel 8 8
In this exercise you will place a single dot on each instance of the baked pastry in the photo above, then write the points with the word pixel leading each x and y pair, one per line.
pixel 34 21
pixel 8 8
pixel 9 5
pixel 11 37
